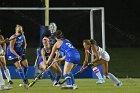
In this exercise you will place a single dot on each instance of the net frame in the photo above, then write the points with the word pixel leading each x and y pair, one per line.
pixel 91 9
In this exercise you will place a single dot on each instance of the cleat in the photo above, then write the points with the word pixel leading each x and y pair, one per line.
pixel 75 86
pixel 10 82
pixel 119 84
pixel 67 87
pixel 26 81
pixel 3 87
pixel 100 81
pixel 55 83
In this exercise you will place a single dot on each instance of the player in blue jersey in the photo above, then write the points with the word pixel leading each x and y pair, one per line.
pixel 45 53
pixel 16 53
pixel 71 60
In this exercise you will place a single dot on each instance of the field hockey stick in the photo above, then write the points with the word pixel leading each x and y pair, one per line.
pixel 62 82
pixel 41 74
pixel 83 69
pixel 35 64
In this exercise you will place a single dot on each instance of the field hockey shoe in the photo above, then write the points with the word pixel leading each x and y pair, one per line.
pixel 10 82
pixel 118 84
pixel 100 81
pixel 55 83
pixel 3 87
pixel 75 86
pixel 67 87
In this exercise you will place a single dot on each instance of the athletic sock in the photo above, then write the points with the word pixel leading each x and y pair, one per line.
pixel 57 78
pixel 72 78
pixel 68 81
pixel 7 74
pixel 97 72
pixel 1 79
pixel 50 74
pixel 25 71
pixel 113 78
pixel 21 73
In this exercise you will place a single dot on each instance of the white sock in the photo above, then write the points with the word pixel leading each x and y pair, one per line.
pixel 1 79
pixel 7 74
pixel 113 78
pixel 97 72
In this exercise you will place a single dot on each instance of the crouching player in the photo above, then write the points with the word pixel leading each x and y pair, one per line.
pixel 56 72
pixel 101 58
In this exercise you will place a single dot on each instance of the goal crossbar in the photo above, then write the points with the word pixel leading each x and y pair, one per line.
pixel 51 8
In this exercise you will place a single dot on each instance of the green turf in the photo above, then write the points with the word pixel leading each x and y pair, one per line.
pixel 84 85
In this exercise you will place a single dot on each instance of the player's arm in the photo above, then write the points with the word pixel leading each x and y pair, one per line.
pixel 43 55
pixel 54 49
pixel 62 58
pixel 12 43
pixel 2 41
pixel 25 43
pixel 85 61
pixel 96 53
pixel 57 57
pixel 86 58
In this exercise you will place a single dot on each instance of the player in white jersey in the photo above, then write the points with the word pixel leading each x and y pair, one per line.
pixel 101 58
pixel 3 61
pixel 3 64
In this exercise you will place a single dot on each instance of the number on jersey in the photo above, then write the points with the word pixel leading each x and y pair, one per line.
pixel 69 45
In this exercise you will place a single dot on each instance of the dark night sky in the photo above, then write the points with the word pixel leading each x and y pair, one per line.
pixel 121 17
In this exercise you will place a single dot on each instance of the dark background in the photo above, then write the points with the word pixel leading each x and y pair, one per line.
pixel 121 26
pixel 121 20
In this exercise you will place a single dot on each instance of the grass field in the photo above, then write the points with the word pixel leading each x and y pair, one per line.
pixel 130 85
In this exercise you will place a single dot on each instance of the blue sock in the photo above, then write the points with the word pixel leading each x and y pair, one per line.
pixel 50 74
pixel 68 81
pixel 25 71
pixel 21 73
pixel 72 78
pixel 57 78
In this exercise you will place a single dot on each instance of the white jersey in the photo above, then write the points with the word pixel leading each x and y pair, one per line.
pixel 102 54
pixel 1 49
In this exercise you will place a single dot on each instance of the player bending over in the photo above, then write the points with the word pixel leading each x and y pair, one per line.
pixel 3 64
pixel 16 53
pixel 101 58
pixel 45 53
pixel 71 60
pixel 3 61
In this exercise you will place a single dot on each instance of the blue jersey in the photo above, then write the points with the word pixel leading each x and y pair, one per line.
pixel 18 47
pixel 61 53
pixel 47 54
pixel 72 55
